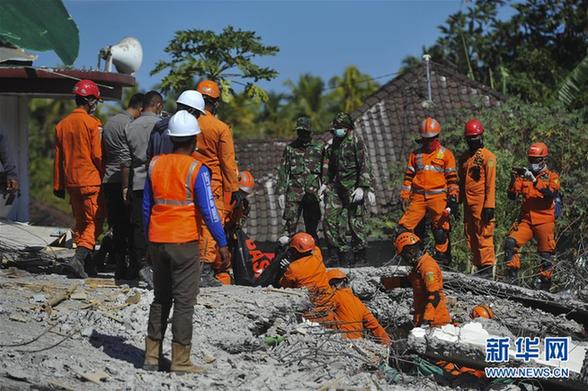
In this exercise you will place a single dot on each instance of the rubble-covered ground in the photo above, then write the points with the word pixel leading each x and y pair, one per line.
pixel 245 338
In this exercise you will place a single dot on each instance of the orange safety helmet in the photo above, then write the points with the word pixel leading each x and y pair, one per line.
pixel 430 127
pixel 87 88
pixel 336 274
pixel 482 311
pixel 405 239
pixel 209 88
pixel 538 150
pixel 246 182
pixel 473 128
pixel 302 242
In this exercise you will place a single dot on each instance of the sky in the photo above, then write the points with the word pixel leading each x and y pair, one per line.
pixel 317 37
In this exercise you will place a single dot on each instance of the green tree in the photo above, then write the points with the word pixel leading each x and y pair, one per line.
pixel 351 89
pixel 226 57
pixel 307 97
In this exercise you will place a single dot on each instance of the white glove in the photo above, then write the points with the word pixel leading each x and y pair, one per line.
pixel 371 198
pixel 357 195
pixel 529 176
pixel 284 263
pixel 284 240
pixel 321 192
pixel 282 201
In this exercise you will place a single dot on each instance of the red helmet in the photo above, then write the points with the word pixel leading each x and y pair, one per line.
pixel 246 181
pixel 538 150
pixel 302 242
pixel 473 128
pixel 430 127
pixel 87 88
pixel 405 239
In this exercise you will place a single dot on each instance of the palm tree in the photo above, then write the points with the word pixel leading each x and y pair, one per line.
pixel 351 89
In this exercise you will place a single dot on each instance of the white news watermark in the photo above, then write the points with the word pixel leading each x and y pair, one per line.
pixel 527 372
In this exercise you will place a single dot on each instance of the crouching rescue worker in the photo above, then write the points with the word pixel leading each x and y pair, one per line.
pixel 78 169
pixel 351 315
pixel 430 186
pixel 177 197
pixel 426 280
pixel 482 311
pixel 539 188
pixel 477 178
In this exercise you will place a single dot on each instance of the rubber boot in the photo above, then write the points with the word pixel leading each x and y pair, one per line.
pixel 207 278
pixel 90 266
pixel 146 275
pixel 485 271
pixel 181 362
pixel 360 257
pixel 511 276
pixel 543 284
pixel 121 267
pixel 152 354
pixel 75 265
pixel 333 259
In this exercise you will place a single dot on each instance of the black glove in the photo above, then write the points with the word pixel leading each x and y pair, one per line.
pixel 59 193
pixel 487 215
pixel 237 197
pixel 453 205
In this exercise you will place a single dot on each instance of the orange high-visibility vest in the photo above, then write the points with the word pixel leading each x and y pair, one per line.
pixel 174 217
pixel 430 174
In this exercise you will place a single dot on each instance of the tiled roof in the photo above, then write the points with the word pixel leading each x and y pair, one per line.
pixel 387 121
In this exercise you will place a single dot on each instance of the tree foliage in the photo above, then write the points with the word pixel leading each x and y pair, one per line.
pixel 227 57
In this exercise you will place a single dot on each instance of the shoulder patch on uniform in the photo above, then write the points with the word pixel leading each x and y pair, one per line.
pixel 430 276
pixel 556 180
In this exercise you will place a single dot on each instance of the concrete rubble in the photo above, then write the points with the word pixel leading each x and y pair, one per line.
pixel 74 334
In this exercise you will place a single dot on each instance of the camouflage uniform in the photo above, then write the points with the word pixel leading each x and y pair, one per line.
pixel 299 179
pixel 348 169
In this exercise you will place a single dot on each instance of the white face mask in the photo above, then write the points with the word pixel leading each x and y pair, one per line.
pixel 340 132
pixel 537 167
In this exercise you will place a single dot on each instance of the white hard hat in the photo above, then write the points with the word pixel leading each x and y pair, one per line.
pixel 183 124
pixel 193 99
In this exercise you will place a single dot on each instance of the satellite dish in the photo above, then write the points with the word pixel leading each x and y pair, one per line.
pixel 126 56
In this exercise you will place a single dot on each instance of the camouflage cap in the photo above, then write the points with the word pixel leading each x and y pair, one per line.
pixel 303 123
pixel 342 119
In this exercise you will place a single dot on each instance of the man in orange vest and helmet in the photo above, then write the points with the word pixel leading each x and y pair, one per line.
pixel 426 280
pixel 430 186
pixel 78 169
pixel 216 150
pixel 177 198
pixel 477 182
pixel 539 188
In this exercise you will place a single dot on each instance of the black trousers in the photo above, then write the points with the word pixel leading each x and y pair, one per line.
pixel 310 209
pixel 118 220
pixel 176 274
pixel 138 244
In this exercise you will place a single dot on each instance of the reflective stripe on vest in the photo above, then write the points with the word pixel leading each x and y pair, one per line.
pixel 189 198
pixel 429 192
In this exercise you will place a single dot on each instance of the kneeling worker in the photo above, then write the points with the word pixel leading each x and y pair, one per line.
pixel 350 313
pixel 177 197
pixel 426 280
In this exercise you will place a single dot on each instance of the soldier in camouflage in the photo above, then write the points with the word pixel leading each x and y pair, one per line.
pixel 300 180
pixel 348 183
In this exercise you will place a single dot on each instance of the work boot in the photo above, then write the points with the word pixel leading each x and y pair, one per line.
pixel 152 354
pixel 485 271
pixel 543 284
pixel 90 266
pixel 146 275
pixel 511 276
pixel 75 265
pixel 181 362
pixel 207 278
pixel 333 258
pixel 360 257
pixel 120 273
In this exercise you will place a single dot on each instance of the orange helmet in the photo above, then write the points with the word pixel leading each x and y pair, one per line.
pixel 538 150
pixel 209 88
pixel 335 274
pixel 246 181
pixel 302 242
pixel 405 239
pixel 430 127
pixel 482 311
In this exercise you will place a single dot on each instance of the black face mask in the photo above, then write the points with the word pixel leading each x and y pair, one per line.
pixel 474 143
pixel 304 136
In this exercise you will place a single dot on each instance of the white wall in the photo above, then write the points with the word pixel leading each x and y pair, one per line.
pixel 14 117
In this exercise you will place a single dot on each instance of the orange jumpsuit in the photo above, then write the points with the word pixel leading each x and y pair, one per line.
pixel 217 151
pixel 310 272
pixel 352 316
pixel 78 169
pixel 428 180
pixel 477 178
pixel 536 218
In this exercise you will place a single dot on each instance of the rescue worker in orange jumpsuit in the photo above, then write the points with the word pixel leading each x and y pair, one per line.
pixel 426 280
pixel 78 169
pixel 216 150
pixel 430 186
pixel 482 311
pixel 351 315
pixel 303 267
pixel 177 198
pixel 539 188
pixel 477 183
